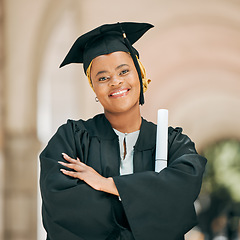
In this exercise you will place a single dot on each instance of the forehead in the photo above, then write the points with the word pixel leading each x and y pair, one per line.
pixel 111 60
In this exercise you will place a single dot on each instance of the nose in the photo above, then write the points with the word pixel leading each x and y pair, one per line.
pixel 115 81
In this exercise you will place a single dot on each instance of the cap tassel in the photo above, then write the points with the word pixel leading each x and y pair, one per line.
pixel 129 46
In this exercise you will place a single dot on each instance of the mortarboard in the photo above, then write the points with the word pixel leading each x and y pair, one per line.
pixel 106 39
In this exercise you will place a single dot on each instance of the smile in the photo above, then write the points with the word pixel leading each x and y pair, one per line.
pixel 119 93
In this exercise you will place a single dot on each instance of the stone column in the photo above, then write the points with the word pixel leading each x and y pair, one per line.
pixel 21 145
pixel 1 124
pixel 21 186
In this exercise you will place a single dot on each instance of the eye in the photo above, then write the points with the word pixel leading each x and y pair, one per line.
pixel 101 79
pixel 123 72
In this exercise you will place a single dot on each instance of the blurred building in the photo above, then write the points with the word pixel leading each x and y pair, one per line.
pixel 192 57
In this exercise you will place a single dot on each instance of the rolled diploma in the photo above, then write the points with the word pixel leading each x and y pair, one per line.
pixel 161 140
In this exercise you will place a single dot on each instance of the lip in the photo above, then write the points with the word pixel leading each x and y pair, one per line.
pixel 119 93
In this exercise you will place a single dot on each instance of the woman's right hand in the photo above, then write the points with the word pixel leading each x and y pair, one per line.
pixel 88 175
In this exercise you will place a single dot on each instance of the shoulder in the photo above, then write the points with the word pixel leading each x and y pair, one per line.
pixel 152 127
pixel 148 125
pixel 81 124
pixel 96 126
pixel 179 143
pixel 173 132
pixel 148 132
pixel 176 137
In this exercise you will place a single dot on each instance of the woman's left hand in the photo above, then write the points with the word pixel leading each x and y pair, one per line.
pixel 88 175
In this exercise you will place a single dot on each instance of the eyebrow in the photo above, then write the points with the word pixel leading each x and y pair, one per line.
pixel 104 71
pixel 100 72
pixel 122 65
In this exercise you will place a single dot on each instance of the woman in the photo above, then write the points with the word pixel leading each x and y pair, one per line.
pixel 97 176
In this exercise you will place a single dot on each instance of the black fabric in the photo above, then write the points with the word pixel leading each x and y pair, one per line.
pixel 154 205
pixel 102 40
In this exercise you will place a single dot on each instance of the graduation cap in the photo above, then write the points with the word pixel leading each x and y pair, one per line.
pixel 107 39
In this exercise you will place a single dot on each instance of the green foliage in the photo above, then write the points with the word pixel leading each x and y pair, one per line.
pixel 222 176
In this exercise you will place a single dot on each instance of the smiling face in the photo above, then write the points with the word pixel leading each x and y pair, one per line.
pixel 115 82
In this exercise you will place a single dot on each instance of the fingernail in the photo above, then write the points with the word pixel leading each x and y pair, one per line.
pixel 65 155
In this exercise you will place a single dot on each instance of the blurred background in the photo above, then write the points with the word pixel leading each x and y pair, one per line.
pixel 192 57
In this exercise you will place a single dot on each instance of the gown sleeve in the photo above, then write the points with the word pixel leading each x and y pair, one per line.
pixel 70 206
pixel 161 205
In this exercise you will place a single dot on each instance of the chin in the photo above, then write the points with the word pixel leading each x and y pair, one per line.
pixel 124 107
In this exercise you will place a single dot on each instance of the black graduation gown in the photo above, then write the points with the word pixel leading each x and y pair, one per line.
pixel 153 205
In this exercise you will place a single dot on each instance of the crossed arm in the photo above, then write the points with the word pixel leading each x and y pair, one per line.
pixel 88 175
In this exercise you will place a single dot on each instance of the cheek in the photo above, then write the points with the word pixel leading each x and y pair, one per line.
pixel 99 90
pixel 136 83
pixel 95 86
pixel 135 79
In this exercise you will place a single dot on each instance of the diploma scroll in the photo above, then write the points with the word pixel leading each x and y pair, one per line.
pixel 161 140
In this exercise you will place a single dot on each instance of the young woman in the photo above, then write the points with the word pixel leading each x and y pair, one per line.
pixel 97 176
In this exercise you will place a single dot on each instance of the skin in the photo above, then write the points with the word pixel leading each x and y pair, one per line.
pixel 116 84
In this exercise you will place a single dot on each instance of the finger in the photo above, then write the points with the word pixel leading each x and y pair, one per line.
pixel 81 163
pixel 71 166
pixel 70 173
pixel 69 159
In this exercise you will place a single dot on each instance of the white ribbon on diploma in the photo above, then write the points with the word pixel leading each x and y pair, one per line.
pixel 161 140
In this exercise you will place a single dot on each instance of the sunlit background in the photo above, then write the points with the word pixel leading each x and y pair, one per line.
pixel 192 57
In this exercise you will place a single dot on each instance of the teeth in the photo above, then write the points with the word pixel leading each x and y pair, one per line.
pixel 118 93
